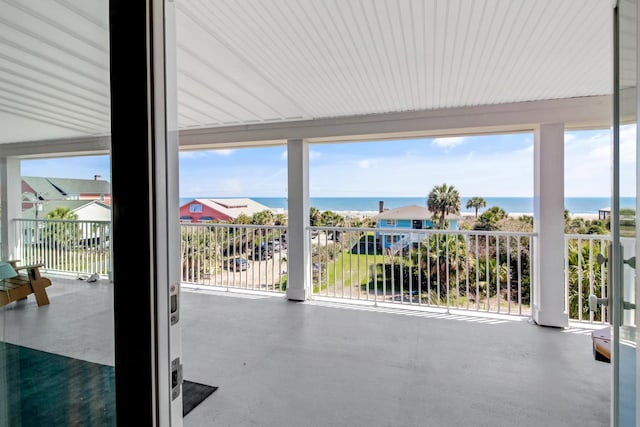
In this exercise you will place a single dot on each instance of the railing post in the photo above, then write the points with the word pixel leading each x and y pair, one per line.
pixel 548 215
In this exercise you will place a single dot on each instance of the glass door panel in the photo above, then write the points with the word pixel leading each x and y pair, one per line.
pixel 624 218
pixel 57 350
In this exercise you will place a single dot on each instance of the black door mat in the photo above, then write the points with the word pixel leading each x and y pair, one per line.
pixel 193 394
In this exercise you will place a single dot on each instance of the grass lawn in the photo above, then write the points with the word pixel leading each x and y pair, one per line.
pixel 358 280
pixel 352 264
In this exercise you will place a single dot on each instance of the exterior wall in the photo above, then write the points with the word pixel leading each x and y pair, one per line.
pixel 199 210
pixel 388 240
pixel 94 212
pixel 95 196
pixel 403 223
pixel 26 188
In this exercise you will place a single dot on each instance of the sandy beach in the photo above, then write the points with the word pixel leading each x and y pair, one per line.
pixel 350 214
pixel 357 214
pixel 519 214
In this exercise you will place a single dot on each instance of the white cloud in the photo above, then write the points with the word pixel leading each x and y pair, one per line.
pixel 628 144
pixel 367 163
pixel 283 155
pixel 568 137
pixel 199 154
pixel 191 154
pixel 222 152
pixel 449 142
pixel 587 164
pixel 526 150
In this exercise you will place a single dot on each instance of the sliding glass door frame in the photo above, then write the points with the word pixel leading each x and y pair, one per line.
pixel 144 153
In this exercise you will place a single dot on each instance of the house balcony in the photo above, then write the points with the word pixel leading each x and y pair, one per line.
pixel 329 363
pixel 444 271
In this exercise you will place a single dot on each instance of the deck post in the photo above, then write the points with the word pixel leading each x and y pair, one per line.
pixel 548 305
pixel 298 250
pixel 10 205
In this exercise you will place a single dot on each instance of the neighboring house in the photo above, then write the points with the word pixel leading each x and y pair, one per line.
pixel 39 189
pixel 86 210
pixel 407 217
pixel 224 210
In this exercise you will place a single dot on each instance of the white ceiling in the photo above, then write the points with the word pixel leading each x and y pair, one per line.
pixel 257 61
pixel 54 60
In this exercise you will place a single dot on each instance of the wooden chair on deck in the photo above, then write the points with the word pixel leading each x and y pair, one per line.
pixel 28 280
pixel 601 340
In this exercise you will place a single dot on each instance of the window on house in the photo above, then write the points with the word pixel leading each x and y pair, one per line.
pixel 195 208
pixel 393 238
pixel 392 222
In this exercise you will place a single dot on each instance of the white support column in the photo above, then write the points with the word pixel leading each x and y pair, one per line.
pixel 298 251
pixel 548 219
pixel 10 205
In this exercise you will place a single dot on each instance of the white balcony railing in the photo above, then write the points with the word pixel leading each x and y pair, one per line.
pixel 66 246
pixel 584 275
pixel 463 270
pixel 235 256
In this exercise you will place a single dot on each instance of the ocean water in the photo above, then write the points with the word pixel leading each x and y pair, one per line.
pixel 575 205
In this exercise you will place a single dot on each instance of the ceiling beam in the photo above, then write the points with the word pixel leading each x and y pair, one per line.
pixel 577 113
pixel 51 148
pixel 593 112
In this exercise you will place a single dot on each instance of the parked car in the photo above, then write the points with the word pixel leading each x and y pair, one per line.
pixel 262 251
pixel 238 264
pixel 275 245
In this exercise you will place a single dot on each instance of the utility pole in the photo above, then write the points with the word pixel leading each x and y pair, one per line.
pixel 37 204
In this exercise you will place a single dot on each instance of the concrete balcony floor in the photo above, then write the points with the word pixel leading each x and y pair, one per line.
pixel 279 363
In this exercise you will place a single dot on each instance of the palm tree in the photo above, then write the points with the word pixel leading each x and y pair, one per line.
pixel 62 213
pixel 443 199
pixel 281 219
pixel 490 218
pixel 446 252
pixel 585 276
pixel 331 219
pixel 314 217
pixel 476 203
pixel 61 234
pixel 264 217
pixel 242 219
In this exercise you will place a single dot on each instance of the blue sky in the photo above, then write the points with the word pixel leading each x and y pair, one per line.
pixel 491 165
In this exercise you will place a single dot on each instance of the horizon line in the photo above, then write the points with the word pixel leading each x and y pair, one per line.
pixel 372 197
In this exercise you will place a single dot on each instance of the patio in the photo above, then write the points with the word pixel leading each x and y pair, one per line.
pixel 321 363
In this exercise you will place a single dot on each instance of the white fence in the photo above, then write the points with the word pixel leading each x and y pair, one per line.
pixel 235 256
pixel 67 246
pixel 464 270
pixel 585 276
